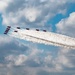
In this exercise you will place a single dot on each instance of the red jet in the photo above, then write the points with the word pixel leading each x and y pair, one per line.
pixel 7 29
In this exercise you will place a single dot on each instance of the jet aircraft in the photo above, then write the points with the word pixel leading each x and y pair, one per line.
pixel 9 27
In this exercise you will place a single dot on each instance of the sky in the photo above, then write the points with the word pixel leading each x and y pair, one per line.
pixel 26 58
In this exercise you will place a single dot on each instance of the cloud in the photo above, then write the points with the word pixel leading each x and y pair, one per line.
pixel 34 61
pixel 16 60
pixel 4 4
pixel 67 25
pixel 10 46
pixel 23 59
pixel 32 13
pixel 28 59
pixel 5 39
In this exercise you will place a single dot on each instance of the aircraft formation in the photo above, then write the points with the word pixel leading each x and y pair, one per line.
pixel 9 27
pixel 43 37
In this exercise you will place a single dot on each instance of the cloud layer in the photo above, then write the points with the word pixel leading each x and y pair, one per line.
pixel 28 59
pixel 67 25
pixel 31 13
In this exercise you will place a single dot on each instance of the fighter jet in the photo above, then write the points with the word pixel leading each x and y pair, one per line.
pixel 7 29
pixel 37 29
pixel 27 28
pixel 18 27
pixel 16 31
pixel 44 30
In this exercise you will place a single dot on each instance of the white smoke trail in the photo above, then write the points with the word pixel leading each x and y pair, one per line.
pixel 45 38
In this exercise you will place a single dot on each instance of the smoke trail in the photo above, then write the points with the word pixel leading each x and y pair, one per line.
pixel 45 38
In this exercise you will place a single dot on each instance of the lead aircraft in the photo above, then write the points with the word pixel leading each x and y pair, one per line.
pixel 7 29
